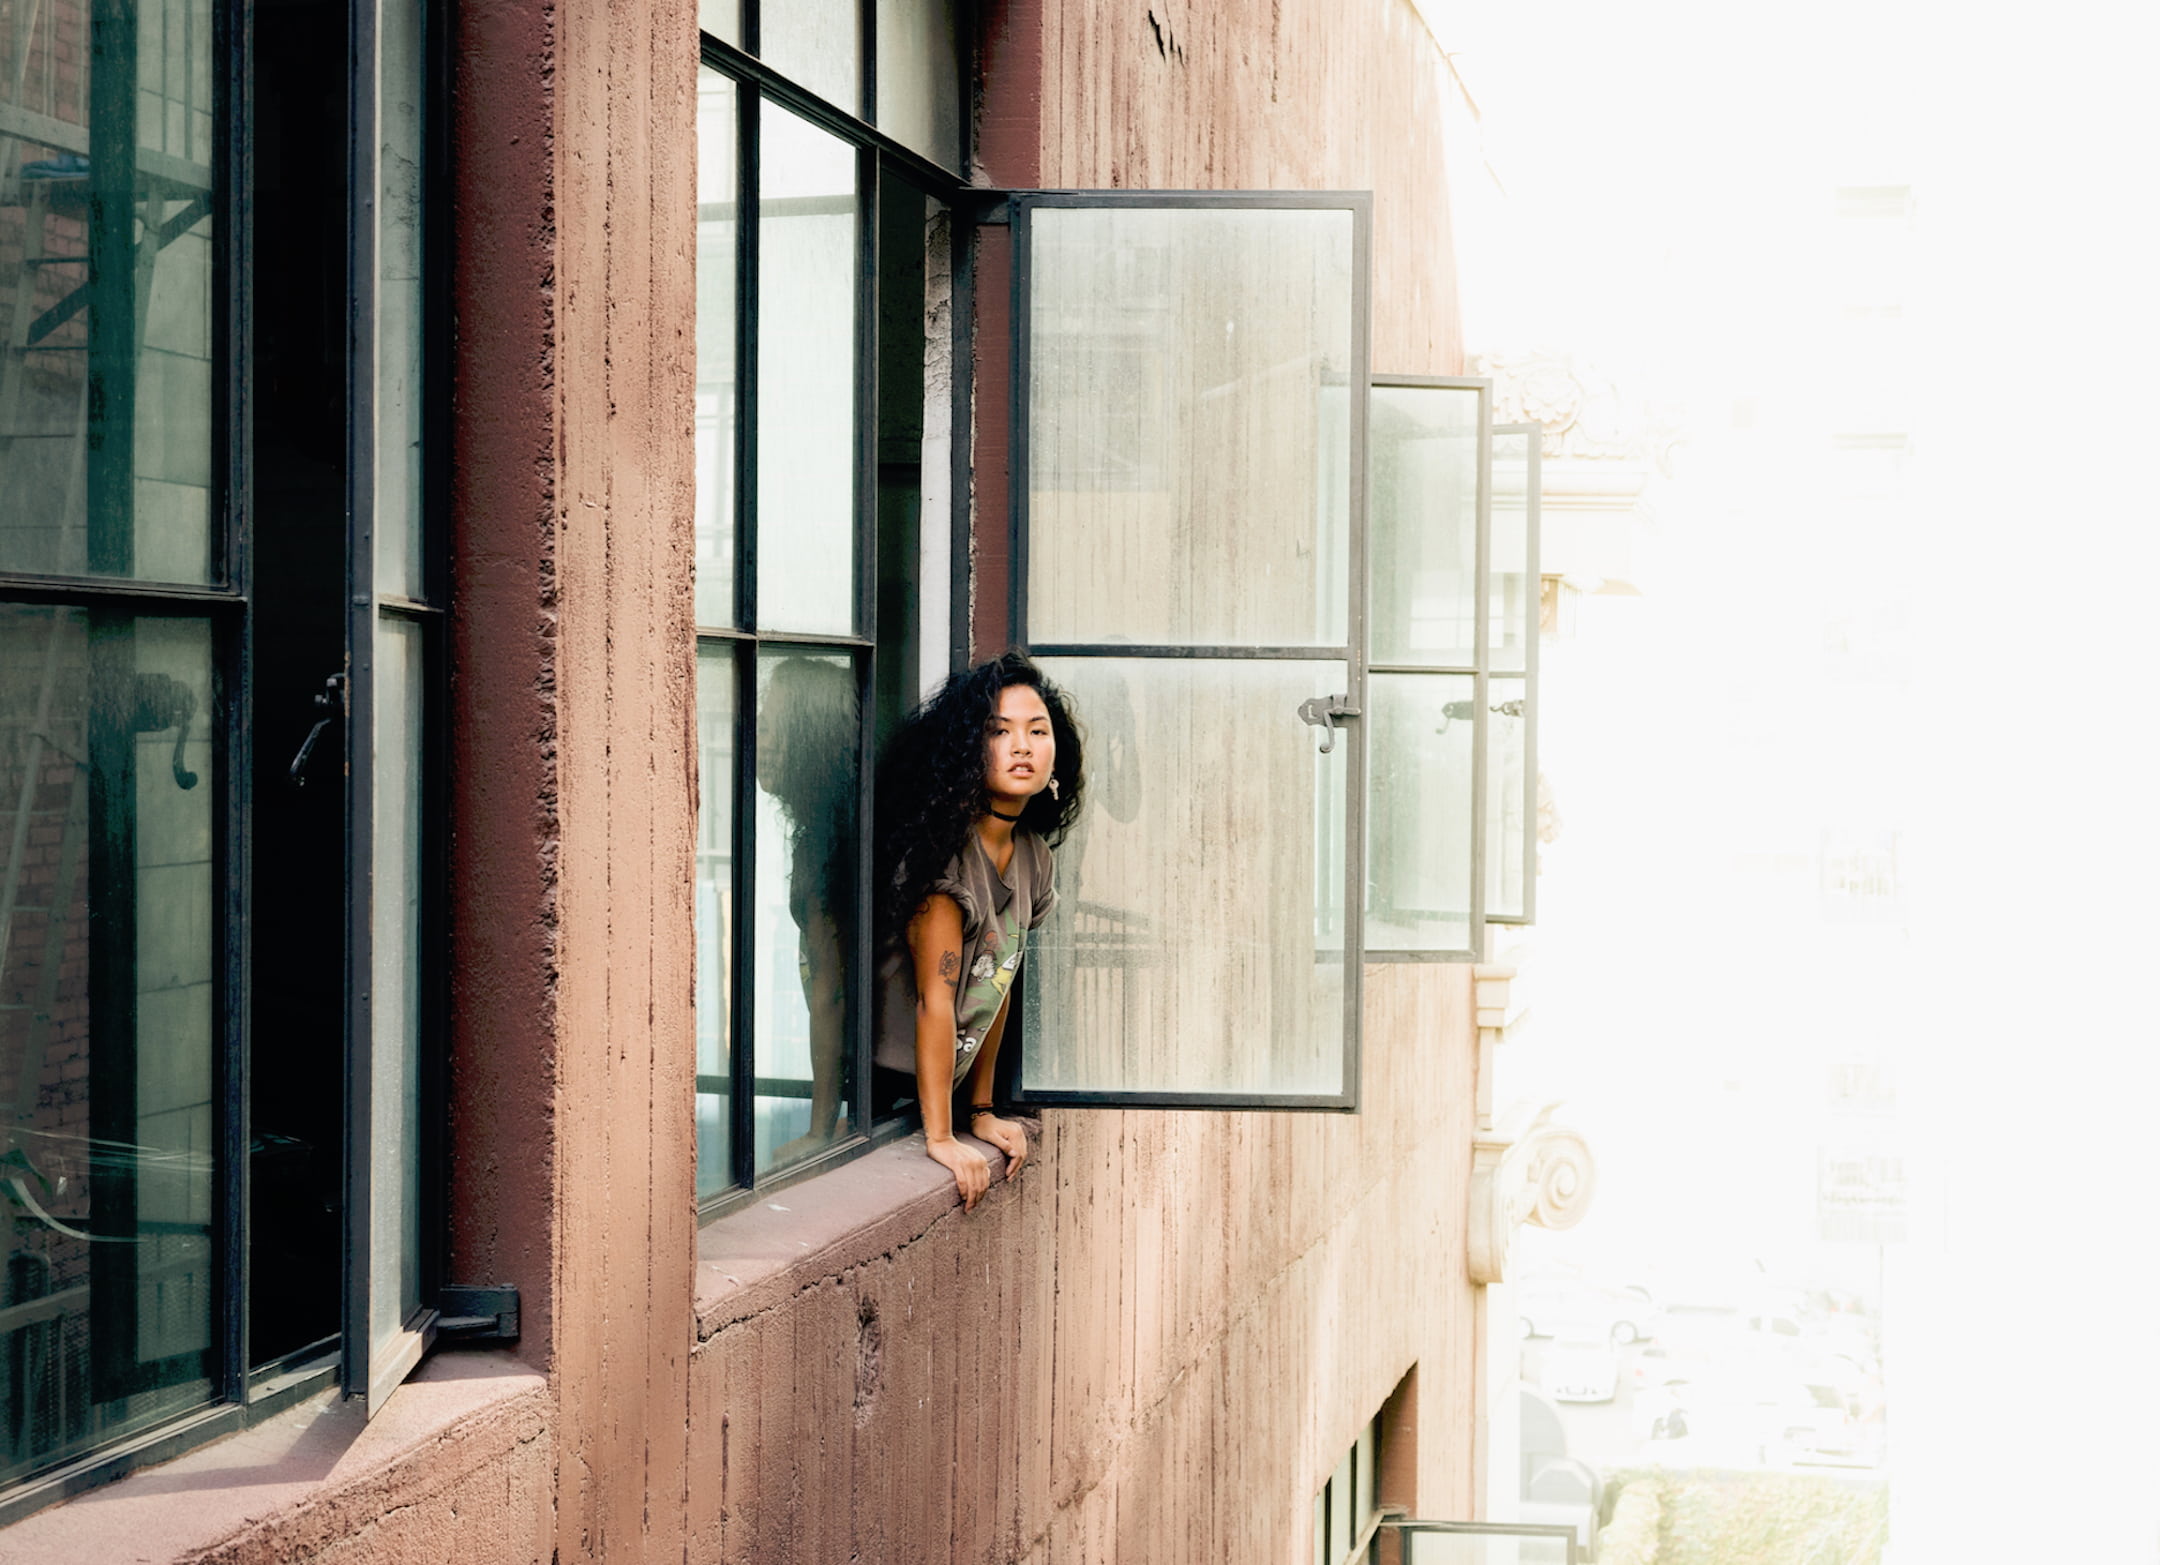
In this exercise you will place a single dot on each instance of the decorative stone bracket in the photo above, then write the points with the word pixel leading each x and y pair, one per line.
pixel 1544 1174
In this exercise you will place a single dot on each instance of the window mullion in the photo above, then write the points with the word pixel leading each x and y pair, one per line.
pixel 742 1106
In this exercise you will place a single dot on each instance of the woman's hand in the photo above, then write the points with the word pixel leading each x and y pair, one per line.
pixel 1009 1136
pixel 970 1169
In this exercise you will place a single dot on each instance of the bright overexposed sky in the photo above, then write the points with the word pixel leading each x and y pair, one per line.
pixel 1660 207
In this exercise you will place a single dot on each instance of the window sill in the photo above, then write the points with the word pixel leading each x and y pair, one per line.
pixel 761 1255
pixel 265 1492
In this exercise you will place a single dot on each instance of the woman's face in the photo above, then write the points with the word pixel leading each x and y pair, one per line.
pixel 1020 747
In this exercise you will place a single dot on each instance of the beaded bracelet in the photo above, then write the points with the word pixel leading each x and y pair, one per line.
pixel 980 1108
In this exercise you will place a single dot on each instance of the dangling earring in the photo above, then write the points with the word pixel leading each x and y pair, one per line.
pixel 1053 786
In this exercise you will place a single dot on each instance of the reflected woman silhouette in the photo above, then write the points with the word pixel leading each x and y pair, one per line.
pixel 806 739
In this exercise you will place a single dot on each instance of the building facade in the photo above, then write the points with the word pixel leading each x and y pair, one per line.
pixel 482 481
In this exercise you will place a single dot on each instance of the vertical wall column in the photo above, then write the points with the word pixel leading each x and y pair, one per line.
pixel 572 714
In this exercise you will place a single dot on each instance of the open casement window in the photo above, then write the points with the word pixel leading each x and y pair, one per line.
pixel 1425 893
pixel 1511 662
pixel 1452 798
pixel 1189 564
pixel 1401 1541
pixel 393 652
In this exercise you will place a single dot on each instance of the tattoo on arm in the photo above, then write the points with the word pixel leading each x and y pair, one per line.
pixel 948 967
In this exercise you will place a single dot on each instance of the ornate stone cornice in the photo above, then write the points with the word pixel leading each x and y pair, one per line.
pixel 1544 1174
pixel 1584 414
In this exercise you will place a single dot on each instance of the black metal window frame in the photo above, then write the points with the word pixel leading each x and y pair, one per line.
pixel 878 157
pixel 1476 668
pixel 1352 652
pixel 242 1393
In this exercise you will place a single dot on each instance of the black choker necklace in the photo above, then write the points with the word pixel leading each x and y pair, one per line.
pixel 1001 815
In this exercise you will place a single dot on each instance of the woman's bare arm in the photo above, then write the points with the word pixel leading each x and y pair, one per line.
pixel 934 942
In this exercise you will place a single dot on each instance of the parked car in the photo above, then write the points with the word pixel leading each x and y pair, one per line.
pixel 1622 1316
pixel 1584 1370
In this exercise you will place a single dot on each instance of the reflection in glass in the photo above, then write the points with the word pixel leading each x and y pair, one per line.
pixel 1514 591
pixel 1424 509
pixel 715 893
pixel 817 43
pixel 107 378
pixel 394 1059
pixel 807 254
pixel 918 77
pixel 108 783
pixel 1418 828
pixel 718 196
pixel 1186 483
pixel 808 766
pixel 1185 953
pixel 1508 802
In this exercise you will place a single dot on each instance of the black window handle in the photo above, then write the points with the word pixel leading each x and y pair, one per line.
pixel 330 701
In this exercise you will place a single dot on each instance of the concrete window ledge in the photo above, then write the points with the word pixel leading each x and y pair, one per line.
pixel 457 1464
pixel 763 1254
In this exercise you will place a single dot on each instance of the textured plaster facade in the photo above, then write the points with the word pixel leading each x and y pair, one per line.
pixel 1155 1345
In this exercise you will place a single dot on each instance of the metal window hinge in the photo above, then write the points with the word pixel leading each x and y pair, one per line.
pixel 1321 712
pixel 470 1314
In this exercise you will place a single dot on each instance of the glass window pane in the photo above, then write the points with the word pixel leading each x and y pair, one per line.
pixel 394 1057
pixel 1421 1547
pixel 918 77
pixel 1418 826
pixel 1514 590
pixel 401 35
pixel 721 18
pixel 817 43
pixel 1424 508
pixel 715 891
pixel 807 274
pixel 108 382
pixel 1365 1463
pixel 809 727
pixel 108 1026
pixel 719 194
pixel 1188 461
pixel 1342 1532
pixel 1508 802
pixel 1195 944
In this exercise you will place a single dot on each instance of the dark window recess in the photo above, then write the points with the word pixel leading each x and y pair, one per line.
pixel 295 1078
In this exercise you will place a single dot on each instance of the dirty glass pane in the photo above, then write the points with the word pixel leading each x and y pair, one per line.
pixel 1190 948
pixel 1418 826
pixel 1189 472
pixel 394 1060
pixel 108 1027
pixel 718 195
pixel 108 383
pixel 715 894
pixel 807 254
pixel 1509 801
pixel 1424 509
pixel 1514 589
pixel 816 43
pixel 808 743
pixel 918 77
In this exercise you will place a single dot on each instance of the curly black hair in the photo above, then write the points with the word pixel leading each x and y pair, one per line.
pixel 931 782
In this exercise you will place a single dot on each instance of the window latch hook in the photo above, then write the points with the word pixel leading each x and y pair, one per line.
pixel 1321 712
